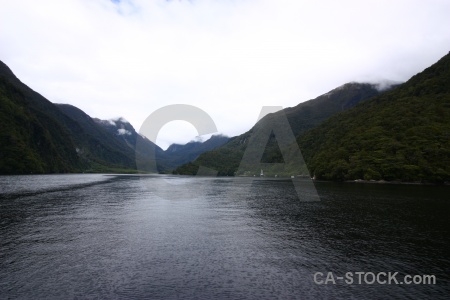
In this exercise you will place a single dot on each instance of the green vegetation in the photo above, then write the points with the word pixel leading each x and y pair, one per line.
pixel 31 140
pixel 41 137
pixel 401 135
pixel 306 115
pixel 353 132
pixel 177 154
pixel 96 145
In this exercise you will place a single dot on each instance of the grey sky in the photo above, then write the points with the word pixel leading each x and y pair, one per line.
pixel 229 58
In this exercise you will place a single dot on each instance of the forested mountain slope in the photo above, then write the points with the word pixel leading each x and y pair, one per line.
pixel 403 134
pixel 302 117
pixel 34 136
pixel 39 136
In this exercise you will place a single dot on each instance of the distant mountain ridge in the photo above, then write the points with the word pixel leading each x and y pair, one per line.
pixel 100 146
pixel 181 154
pixel 174 156
pixel 302 117
pixel 401 135
pixel 43 137
pixel 356 131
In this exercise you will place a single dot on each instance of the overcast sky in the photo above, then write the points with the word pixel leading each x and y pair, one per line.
pixel 229 57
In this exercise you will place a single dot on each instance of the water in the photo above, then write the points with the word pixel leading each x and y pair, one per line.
pixel 160 237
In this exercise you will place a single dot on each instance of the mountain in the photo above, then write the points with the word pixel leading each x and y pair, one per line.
pixel 94 144
pixel 356 131
pixel 301 118
pixel 174 156
pixel 180 154
pixel 403 134
pixel 34 136
pixel 106 145
pixel 39 136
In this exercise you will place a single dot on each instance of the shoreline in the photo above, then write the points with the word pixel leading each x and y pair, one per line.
pixel 397 182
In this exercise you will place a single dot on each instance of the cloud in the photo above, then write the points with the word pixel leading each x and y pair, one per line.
pixel 118 119
pixel 122 131
pixel 129 58
pixel 385 84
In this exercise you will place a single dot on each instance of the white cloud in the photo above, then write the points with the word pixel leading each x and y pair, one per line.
pixel 122 131
pixel 226 57
pixel 118 119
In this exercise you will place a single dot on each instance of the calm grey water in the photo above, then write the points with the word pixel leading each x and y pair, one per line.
pixel 160 237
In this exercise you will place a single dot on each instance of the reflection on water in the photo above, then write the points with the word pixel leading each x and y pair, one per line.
pixel 142 237
pixel 21 185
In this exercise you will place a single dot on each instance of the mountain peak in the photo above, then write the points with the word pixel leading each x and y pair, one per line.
pixel 385 84
pixel 5 70
pixel 301 117
pixel 380 86
pixel 399 135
